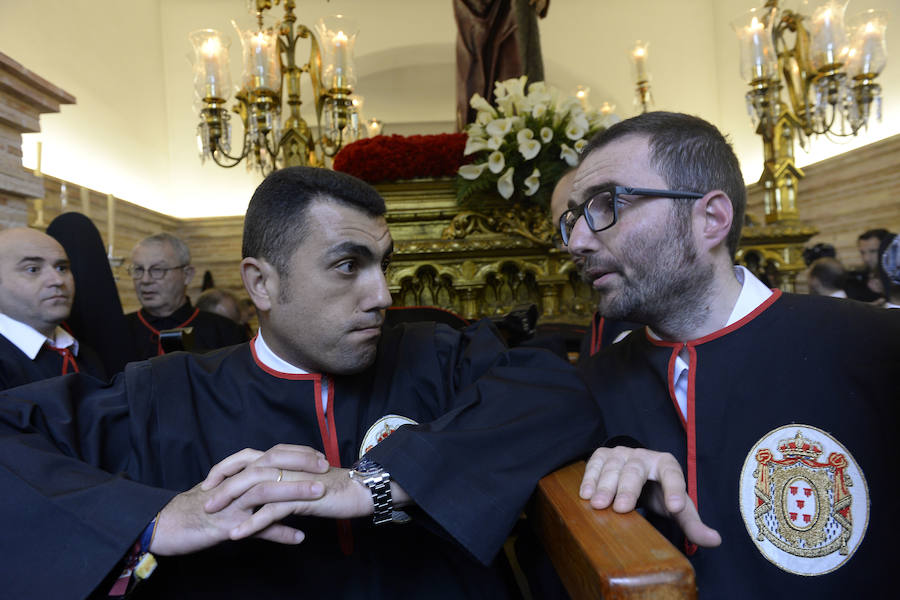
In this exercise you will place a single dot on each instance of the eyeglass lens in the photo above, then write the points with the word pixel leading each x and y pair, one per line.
pixel 599 212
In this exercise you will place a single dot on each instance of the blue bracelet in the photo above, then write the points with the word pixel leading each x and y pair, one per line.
pixel 147 537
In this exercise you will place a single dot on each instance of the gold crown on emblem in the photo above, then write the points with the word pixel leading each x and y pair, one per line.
pixel 800 447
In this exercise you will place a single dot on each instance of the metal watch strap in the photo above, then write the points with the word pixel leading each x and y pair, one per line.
pixel 380 486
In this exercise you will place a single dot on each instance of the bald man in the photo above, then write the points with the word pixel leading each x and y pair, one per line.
pixel 36 293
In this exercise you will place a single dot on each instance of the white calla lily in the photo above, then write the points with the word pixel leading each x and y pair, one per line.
pixel 529 149
pixel 581 120
pixel 483 118
pixel 579 145
pixel 568 155
pixel 496 162
pixel 481 105
pixel 474 144
pixel 574 131
pixel 524 135
pixel 533 183
pixel 546 134
pixel 538 87
pixel 471 172
pixel 499 127
pixel 475 130
pixel 505 184
pixel 495 142
pixel 538 111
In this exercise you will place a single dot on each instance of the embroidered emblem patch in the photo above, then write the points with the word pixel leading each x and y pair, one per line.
pixel 382 428
pixel 804 500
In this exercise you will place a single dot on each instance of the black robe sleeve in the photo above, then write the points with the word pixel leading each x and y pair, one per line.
pixel 512 417
pixel 66 503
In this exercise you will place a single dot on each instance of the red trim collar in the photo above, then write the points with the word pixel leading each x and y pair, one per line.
pixel 776 294
pixel 280 374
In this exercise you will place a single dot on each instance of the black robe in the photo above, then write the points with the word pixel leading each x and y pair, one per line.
pixel 96 319
pixel 491 423
pixel 210 330
pixel 17 369
pixel 827 363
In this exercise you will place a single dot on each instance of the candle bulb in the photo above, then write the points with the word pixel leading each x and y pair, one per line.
pixel 639 56
pixel 753 31
pixel 340 58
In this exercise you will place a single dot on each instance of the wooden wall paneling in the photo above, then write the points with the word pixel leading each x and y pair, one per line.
pixel 846 195
pixel 24 97
pixel 215 245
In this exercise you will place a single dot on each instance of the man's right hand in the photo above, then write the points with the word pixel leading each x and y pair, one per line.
pixel 618 476
pixel 184 524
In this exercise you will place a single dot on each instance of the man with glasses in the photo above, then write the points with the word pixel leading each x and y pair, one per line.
pixel 161 270
pixel 775 406
pixel 36 294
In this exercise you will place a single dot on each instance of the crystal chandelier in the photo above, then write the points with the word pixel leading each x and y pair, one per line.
pixel 271 79
pixel 828 74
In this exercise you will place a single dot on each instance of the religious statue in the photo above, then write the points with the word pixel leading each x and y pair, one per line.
pixel 496 40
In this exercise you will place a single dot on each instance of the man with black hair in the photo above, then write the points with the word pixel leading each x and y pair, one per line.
pixel 864 284
pixel 776 405
pixel 184 457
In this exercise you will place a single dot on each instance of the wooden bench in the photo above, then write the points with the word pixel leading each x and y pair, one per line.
pixel 604 554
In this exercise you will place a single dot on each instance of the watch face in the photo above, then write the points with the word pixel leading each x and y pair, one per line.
pixel 367 466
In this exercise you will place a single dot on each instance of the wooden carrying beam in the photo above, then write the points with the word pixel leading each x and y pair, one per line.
pixel 604 554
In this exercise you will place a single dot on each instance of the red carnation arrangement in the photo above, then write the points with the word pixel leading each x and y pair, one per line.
pixel 394 157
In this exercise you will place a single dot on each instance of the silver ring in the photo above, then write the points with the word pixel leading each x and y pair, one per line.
pixel 280 475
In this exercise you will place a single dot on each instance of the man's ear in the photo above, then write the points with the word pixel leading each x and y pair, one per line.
pixel 261 281
pixel 188 274
pixel 713 215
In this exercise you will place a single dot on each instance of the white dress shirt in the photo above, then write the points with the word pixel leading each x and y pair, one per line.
pixel 753 293
pixel 276 363
pixel 29 340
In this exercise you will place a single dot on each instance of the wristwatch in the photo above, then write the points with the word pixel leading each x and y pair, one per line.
pixel 372 475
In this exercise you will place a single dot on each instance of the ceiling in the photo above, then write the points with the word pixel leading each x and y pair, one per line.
pixel 131 131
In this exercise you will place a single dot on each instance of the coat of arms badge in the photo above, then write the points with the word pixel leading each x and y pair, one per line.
pixel 381 429
pixel 804 500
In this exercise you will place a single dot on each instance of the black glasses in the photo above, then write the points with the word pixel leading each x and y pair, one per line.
pixel 155 272
pixel 601 210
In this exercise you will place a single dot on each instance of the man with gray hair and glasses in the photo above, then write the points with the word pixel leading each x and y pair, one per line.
pixel 161 270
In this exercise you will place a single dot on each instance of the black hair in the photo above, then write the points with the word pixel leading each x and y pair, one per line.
pixel 275 223
pixel 691 155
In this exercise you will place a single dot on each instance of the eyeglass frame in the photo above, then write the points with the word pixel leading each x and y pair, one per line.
pixel 150 270
pixel 617 190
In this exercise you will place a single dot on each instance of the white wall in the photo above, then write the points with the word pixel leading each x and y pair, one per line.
pixel 114 139
pixel 132 131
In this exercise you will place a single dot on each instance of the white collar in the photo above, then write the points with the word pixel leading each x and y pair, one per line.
pixel 753 293
pixel 29 340
pixel 272 360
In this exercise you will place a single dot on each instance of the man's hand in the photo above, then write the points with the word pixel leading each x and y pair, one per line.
pixel 616 476
pixel 343 499
pixel 187 524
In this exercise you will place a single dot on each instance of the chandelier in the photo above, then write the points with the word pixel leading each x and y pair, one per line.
pixel 828 71
pixel 271 79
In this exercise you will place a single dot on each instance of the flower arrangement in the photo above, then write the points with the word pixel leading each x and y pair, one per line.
pixel 393 157
pixel 522 146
